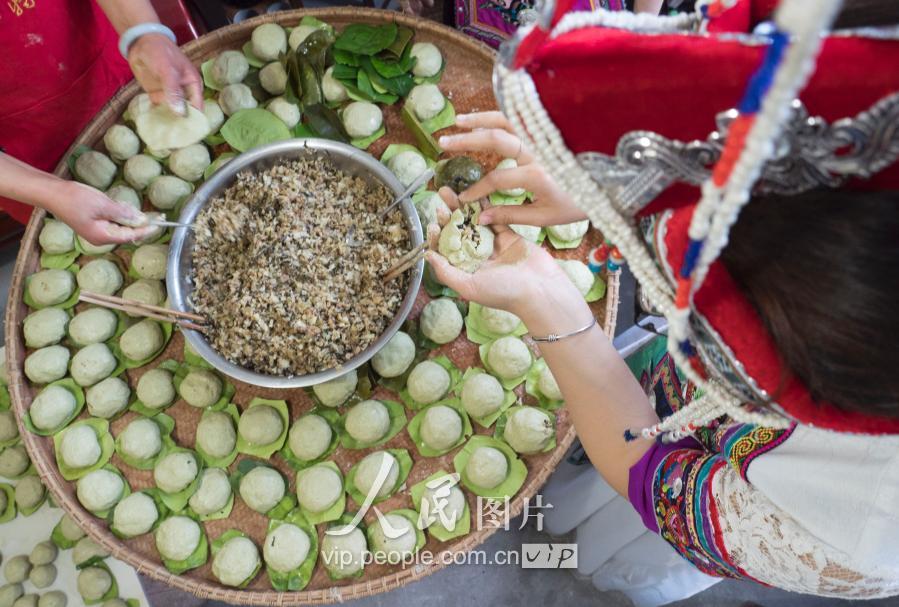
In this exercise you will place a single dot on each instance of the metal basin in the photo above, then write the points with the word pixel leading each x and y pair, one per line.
pixel 350 159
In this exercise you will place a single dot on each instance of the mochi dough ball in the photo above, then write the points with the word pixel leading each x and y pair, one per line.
pixel 47 364
pixel 310 436
pixel 155 388
pixel 213 492
pixel 141 439
pixel 86 549
pixel 332 88
pixel 17 569
pixel 100 276
pixel 214 114
pixel 287 112
pixel 92 363
pixel 135 514
pixel 482 395
pixel 286 547
pixel 93 583
pixel 528 429
pixel 124 195
pixel 260 425
pixel 140 170
pixel 8 428
pixel 426 101
pixel 142 340
pixel 95 169
pixel 367 473
pixel 10 593
pixel 336 547
pixel 407 166
pixel 121 142
pixel 216 435
pixel 299 34
pixel 578 273
pixel 189 162
pixel 177 537
pixel 149 261
pixel 335 392
pixel 428 382
pixel 166 191
pixel 80 447
pixel 92 326
pixel 45 327
pixel 368 421
pixel 55 598
pixel 273 78
pixel 398 548
pixel 441 321
pixel 201 388
pixel 268 41
pixel 107 398
pixel 51 287
pixel 145 290
pixel 441 427
pixel 509 357
pixel 499 321
pixel 361 119
pixel 26 600
pixel 14 461
pixel 505 164
pixel 229 67
pixel 395 357
pixel 318 488
pixel 100 490
pixel 29 492
pixel 236 97
pixel 236 561
pixel 487 467
pixel 43 553
pixel 430 208
pixel 428 60
pixel 569 231
pixel 262 488
pixel 547 385
pixel 42 576
pixel 175 471
pixel 56 237
pixel 444 509
pixel 72 532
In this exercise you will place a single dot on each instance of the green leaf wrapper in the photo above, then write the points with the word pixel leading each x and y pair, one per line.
pixel 444 119
pixel 498 199
pixel 487 421
pixel 161 511
pixel 250 128
pixel 61 541
pixel 32 509
pixel 414 428
pixel 335 510
pixel 403 460
pixel 333 418
pixel 5 402
pixel 397 422
pixel 436 529
pixel 517 473
pixel 532 387
pixel 478 333
pixel 266 451
pixel 365 143
pixel 426 143
pixel 65 305
pixel 563 244
pixel 221 462
pixel 107 447
pixel 365 39
pixel 501 427
pixel 508 384
pixel 216 164
pixel 220 542
pixel 409 515
pixel 455 377
pixel 432 285
pixel 59 261
pixel 9 513
pixel 166 426
pixel 597 291
pixel 206 71
pixel 178 501
pixel 252 59
pixel 113 591
pixel 299 577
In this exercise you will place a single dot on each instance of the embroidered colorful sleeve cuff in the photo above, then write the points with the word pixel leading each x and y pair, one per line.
pixel 642 479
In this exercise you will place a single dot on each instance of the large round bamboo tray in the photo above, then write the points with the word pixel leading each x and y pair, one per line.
pixel 468 81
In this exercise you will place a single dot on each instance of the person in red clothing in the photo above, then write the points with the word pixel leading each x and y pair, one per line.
pixel 63 60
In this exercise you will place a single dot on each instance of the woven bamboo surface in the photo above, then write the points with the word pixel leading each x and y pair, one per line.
pixel 467 81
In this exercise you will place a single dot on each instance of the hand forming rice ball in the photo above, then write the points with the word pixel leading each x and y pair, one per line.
pixel 343 555
pixel 56 237
pixel 268 41
pixel 407 166
pixel 141 439
pixel 45 327
pixel 216 435
pixel 145 290
pixel 260 425
pixel 273 78
pixel 155 388
pixel 100 276
pixel 367 473
pixel 55 598
pixel 262 488
pixel 318 488
pixel 92 363
pixel 100 490
pixel 487 467
pixel 428 60
pixel 287 112
pixel 229 67
pixel 441 321
pixel 135 515
pixel 430 207
pixel 504 165
pixel 428 382
pixel 464 242
pixel 142 340
pixel 43 553
pixel 569 231
pixel 108 397
pixel 42 576
pixel 285 547
pixel 395 357
pixel 10 593
pixel 86 549
pixel 499 321
pixel 177 537
pixel 8 428
pixel 426 101
pixel 441 427
pixel 509 357
pixel 80 447
pixel 175 471
pixel 14 461
pixel 362 119
pixel 121 142
pixel 214 114
pixel 335 392
pixel 166 191
pixel 528 429
pixel 213 492
pixel 93 583
pixel 140 170
pixel 149 261
pixel 189 162
pixel 443 510
pixel 95 169
pixel 236 561
pixel 47 364
pixel 395 549
pixel 17 569
pixel 548 386
pixel 201 388
pixel 30 492
pixel 578 273
pixel 236 97
pixel 309 437
pixel 51 287
pixel 92 326
pixel 332 88
pixel 368 421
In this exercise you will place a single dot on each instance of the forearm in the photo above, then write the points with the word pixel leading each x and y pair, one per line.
pixel 648 6
pixel 128 13
pixel 600 392
pixel 28 185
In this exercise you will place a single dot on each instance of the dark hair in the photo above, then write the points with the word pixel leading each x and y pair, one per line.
pixel 822 269
pixel 862 13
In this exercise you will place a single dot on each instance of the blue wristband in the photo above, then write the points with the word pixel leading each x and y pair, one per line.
pixel 133 33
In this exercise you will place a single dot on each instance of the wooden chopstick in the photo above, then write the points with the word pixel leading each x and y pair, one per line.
pixel 141 309
pixel 406 262
pixel 130 302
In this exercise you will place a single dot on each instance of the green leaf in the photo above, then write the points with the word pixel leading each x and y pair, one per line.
pixel 57 537
pixel 325 123
pixel 364 85
pixel 247 129
pixel 400 45
pixel 498 199
pixel 364 39
pixel 414 428
pixel 532 387
pixel 5 402
pixel 364 143
pixel 515 478
pixel 597 291
pixel 220 161
pixel 311 21
pixel 59 261
pixel 563 244
pixel 177 501
pixel 426 143
pixel 314 49
pixel 488 420
pixel 455 377
pixel 107 447
pixel 166 426
pixel 220 542
pixel 436 529
pixel 399 85
pixel 298 578
pixel 221 462
pixel 342 57
pixel 403 460
pixel 444 119
pixel 302 131
pixel 344 72
pixel 266 451
pixel 252 59
pixel 397 422
pixel 432 79
pixel 310 81
pixel 335 510
pixel 208 80
pixel 478 333
pixel 333 418
pixel 500 429
pixel 77 391
pixel 508 384
pixel 71 158
pixel 9 513
pixel 392 67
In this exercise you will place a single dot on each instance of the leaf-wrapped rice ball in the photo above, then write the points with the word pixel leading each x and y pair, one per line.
pixel 509 357
pixel 155 388
pixel 335 549
pixel 285 547
pixel 149 261
pixel 214 114
pixel 487 467
pixel 135 515
pixel 213 492
pixel 51 407
pixel 236 97
pixel 92 326
pixel 100 490
pixel 368 421
pixel 166 191
pixel 177 537
pixel 95 169
pixel 407 166
pixel 287 112
pixel 189 162
pixel 441 427
pixel 335 392
pixel 80 447
pixel 262 488
pixel 30 492
pixel 309 437
pixel 51 287
pixel 273 78
pixel 14 461
pixel 121 142
pixel 47 364
pixel 499 321
pixel 94 583
pixel 141 439
pixel 441 321
pixel 426 101
pixel 56 237
pixel 268 41
pixel 92 363
pixel 367 473
pixel 428 59
pixel 394 548
pixel 318 488
pixel 395 357
pixel 229 67
pixel 332 88
pixel 145 290
pixel 547 384
pixel 140 341
pixel 100 276
pixel 236 561
pixel 45 327
pixel 428 382
pixel 260 425
pixel 140 170
pixel 216 435
pixel 201 388
pixel 175 471
pixel 361 119
pixel 528 429
pixel 8 428
pixel 108 397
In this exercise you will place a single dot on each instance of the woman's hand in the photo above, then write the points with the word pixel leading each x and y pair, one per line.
pixel 165 73
pixel 491 132
pixel 96 217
